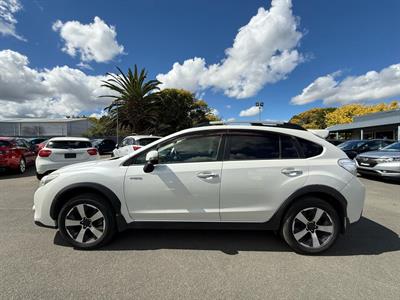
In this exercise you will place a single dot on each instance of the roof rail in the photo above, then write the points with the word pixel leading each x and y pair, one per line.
pixel 254 123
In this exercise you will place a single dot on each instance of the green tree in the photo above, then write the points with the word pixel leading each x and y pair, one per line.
pixel 313 118
pixel 134 100
pixel 179 109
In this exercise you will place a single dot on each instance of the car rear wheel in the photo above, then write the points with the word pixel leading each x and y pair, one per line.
pixel 22 166
pixel 87 221
pixel 310 226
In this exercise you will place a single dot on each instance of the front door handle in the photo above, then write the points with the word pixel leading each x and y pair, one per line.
pixel 291 172
pixel 207 175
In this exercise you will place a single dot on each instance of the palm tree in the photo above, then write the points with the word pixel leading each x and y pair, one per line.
pixel 134 100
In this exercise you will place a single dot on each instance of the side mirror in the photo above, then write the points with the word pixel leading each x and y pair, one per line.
pixel 151 160
pixel 116 146
pixel 152 157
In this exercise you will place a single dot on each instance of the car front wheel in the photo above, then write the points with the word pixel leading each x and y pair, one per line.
pixel 310 226
pixel 86 221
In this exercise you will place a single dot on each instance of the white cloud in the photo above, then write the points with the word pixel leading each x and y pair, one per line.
pixel 215 111
pixel 55 92
pixel 231 120
pixel 93 42
pixel 263 52
pixel 228 106
pixel 8 8
pixel 251 111
pixel 373 85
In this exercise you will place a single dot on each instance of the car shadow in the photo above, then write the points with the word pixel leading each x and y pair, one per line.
pixel 364 238
pixel 7 174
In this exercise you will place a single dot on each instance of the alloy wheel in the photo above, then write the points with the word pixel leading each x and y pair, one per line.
pixel 85 223
pixel 22 166
pixel 313 227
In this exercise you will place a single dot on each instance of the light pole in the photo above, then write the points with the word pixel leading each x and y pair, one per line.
pixel 260 106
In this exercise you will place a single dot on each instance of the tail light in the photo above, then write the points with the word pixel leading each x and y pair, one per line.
pixel 135 147
pixel 44 153
pixel 92 151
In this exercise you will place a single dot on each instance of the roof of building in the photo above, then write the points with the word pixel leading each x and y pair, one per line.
pixel 41 120
pixel 382 118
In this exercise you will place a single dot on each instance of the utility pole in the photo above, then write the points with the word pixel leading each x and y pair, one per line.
pixel 260 106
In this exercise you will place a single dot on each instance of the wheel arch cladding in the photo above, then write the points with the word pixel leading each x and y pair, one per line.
pixel 81 188
pixel 326 193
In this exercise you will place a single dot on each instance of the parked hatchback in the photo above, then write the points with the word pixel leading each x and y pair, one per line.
pixel 226 176
pixel 354 147
pixel 385 162
pixel 62 151
pixel 16 154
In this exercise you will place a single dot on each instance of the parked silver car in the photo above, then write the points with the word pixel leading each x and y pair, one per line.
pixel 385 162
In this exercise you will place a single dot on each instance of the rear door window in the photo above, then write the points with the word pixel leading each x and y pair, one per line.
pixel 68 145
pixel 253 147
pixel 288 147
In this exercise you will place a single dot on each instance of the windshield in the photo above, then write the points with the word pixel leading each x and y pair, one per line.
pixel 350 145
pixel 392 147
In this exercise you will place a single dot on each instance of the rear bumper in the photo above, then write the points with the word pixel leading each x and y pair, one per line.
pixel 44 166
pixel 354 192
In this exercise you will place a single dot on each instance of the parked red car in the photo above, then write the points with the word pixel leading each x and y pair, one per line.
pixel 16 154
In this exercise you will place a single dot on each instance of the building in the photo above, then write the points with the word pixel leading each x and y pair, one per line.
pixel 385 124
pixel 30 127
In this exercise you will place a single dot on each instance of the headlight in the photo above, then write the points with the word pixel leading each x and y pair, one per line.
pixel 349 165
pixel 46 179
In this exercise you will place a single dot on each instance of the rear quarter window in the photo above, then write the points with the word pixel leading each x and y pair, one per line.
pixel 68 144
pixel 309 149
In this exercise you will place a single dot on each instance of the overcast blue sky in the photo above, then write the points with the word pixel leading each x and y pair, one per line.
pixel 312 53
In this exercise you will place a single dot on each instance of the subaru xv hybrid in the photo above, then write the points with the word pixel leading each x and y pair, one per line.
pixel 267 177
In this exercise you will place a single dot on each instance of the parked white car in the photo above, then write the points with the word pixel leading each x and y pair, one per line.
pixel 132 143
pixel 226 176
pixel 63 151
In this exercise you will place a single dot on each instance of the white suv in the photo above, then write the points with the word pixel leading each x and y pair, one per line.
pixel 227 176
pixel 63 151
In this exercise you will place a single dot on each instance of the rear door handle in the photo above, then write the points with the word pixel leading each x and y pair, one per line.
pixel 207 175
pixel 291 172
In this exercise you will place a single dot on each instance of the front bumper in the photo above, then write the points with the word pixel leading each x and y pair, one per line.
pixel 41 208
pixel 388 169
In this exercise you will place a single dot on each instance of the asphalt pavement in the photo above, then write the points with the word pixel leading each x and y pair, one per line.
pixel 35 263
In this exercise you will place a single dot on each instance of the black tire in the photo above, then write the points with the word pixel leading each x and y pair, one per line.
pixel 89 201
pixel 292 226
pixel 21 166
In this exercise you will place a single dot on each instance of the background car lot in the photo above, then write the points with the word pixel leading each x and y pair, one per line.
pixel 173 264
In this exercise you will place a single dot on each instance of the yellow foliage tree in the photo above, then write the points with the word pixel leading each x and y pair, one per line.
pixel 345 113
